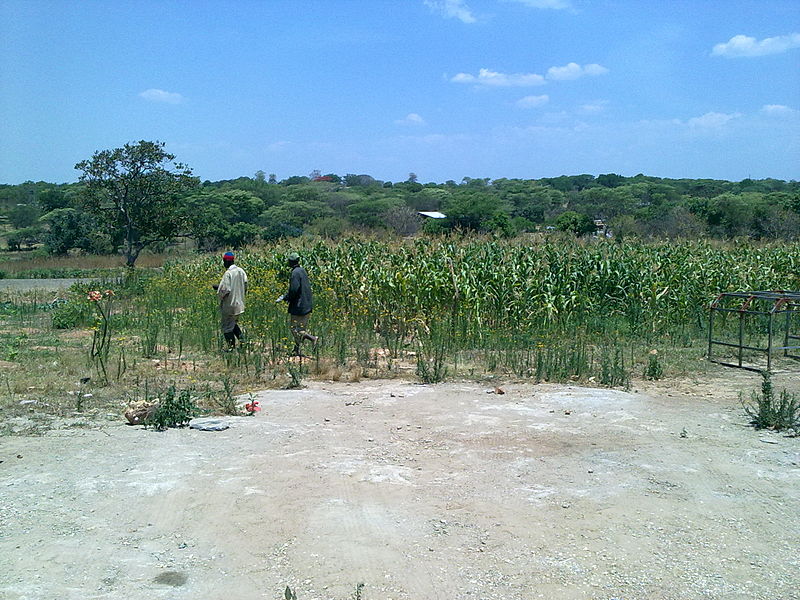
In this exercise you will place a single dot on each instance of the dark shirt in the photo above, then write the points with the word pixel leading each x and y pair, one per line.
pixel 299 294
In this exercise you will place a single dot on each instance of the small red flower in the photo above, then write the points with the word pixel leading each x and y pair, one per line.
pixel 95 296
pixel 252 407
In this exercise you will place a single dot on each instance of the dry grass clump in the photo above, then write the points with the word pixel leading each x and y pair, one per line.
pixel 15 263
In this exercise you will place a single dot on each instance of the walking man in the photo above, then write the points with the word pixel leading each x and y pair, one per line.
pixel 231 291
pixel 300 303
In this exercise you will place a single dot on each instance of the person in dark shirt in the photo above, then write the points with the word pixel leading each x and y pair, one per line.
pixel 300 303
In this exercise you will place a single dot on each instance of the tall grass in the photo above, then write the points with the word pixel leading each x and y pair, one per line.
pixel 23 265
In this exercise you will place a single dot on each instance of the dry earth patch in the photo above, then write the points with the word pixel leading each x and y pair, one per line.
pixel 442 491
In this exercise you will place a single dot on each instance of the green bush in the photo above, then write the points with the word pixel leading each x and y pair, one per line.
pixel 173 410
pixel 653 370
pixel 769 411
pixel 69 315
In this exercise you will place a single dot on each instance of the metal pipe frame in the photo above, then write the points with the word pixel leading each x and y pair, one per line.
pixel 780 302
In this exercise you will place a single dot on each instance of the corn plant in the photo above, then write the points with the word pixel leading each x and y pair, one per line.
pixel 592 302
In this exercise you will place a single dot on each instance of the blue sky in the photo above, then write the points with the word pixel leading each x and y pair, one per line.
pixel 442 88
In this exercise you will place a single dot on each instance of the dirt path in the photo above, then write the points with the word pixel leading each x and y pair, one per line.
pixel 418 492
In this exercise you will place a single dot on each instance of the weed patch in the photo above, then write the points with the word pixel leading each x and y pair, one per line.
pixel 769 410
pixel 174 409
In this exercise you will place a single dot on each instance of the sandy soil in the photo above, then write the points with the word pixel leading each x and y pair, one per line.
pixel 418 492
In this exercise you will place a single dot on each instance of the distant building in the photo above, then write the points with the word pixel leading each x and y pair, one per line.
pixel 432 214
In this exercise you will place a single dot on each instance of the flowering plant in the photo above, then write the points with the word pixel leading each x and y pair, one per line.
pixel 102 335
pixel 252 408
pixel 96 296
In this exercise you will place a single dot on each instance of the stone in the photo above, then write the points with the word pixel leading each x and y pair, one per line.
pixel 208 424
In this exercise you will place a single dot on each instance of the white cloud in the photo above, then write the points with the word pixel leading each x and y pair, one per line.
pixel 495 79
pixel 575 71
pixel 154 95
pixel 533 101
pixel 452 9
pixel 593 108
pixel 711 120
pixel 743 45
pixel 778 110
pixel 554 4
pixel 411 119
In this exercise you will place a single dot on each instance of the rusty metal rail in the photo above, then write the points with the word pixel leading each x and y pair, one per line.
pixel 769 305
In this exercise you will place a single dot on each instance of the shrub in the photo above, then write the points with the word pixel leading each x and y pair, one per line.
pixel 173 410
pixel 769 411
pixel 69 315
pixel 653 370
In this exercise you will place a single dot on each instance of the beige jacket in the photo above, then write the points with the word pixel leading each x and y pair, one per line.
pixel 231 291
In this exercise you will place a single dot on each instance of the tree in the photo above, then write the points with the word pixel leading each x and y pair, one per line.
pixel 473 209
pixel 351 180
pixel 241 234
pixel 68 228
pixel 371 212
pixel 403 220
pixel 610 180
pixel 27 236
pixel 294 214
pixel 328 227
pixel 23 215
pixel 295 180
pixel 218 218
pixel 51 199
pixel 577 223
pixel 501 225
pixel 135 191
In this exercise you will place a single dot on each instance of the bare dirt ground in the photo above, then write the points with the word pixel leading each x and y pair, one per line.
pixel 418 492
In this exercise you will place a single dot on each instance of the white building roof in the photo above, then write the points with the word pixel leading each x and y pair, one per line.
pixel 433 214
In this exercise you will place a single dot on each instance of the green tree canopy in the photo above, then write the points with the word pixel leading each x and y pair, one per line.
pixel 68 228
pixel 23 215
pixel 577 223
pixel 136 191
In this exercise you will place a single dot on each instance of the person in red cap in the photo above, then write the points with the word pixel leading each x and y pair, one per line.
pixel 231 291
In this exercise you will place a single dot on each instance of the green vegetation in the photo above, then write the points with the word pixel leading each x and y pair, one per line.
pixel 512 282
pixel 547 309
pixel 769 410
pixel 136 197
pixel 134 194
pixel 175 409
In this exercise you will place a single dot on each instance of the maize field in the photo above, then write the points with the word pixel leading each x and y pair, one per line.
pixel 552 309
